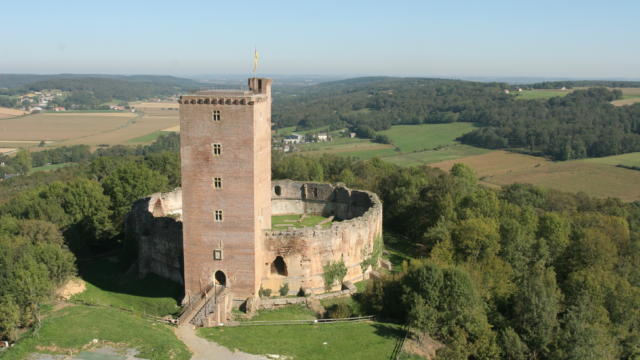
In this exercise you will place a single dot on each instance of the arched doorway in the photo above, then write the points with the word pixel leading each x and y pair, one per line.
pixel 220 278
pixel 279 267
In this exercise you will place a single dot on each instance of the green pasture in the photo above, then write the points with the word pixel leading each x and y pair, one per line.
pixel 630 159
pixel 50 167
pixel 147 138
pixel 537 94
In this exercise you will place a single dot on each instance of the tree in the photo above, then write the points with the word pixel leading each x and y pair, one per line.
pixel 22 162
pixel 129 182
pixel 10 318
pixel 536 306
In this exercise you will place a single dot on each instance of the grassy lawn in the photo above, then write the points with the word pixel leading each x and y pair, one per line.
pixel 147 138
pixel 50 167
pixel 69 329
pixel 106 286
pixel 344 341
pixel 292 312
pixel 283 222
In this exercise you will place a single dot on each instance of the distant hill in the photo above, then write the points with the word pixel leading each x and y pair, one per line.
pixel 581 124
pixel 89 92
pixel 9 81
pixel 569 84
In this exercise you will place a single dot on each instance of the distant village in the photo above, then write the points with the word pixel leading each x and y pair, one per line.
pixel 289 143
pixel 51 100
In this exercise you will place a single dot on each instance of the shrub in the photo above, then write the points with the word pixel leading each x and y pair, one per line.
pixel 284 289
pixel 339 311
pixel 264 292
pixel 334 271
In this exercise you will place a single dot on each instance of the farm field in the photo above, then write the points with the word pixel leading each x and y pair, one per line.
pixel 60 126
pixel 536 94
pixel 630 159
pixel 90 128
pixel 9 112
pixel 412 144
pixel 629 96
pixel 598 179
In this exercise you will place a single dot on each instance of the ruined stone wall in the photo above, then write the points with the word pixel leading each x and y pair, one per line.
pixel 155 224
pixel 306 251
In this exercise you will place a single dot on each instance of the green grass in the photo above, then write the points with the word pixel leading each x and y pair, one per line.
pixel 74 327
pixel 343 341
pixel 147 138
pixel 426 136
pixel 355 306
pixel 630 159
pixel 283 222
pixel 50 167
pixel 399 250
pixel 540 94
pixel 412 144
pixel 107 286
pixel 291 312
pixel 450 152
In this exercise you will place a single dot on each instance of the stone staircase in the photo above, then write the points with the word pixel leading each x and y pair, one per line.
pixel 209 309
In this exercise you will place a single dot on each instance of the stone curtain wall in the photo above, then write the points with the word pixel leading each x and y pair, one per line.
pixel 156 225
pixel 306 251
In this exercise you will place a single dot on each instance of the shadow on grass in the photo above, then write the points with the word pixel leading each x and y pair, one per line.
pixel 108 276
pixel 390 331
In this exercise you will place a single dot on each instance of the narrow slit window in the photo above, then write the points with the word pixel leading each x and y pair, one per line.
pixel 217 183
pixel 217 149
pixel 217 215
pixel 215 116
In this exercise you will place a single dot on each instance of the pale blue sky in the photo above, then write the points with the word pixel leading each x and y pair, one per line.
pixel 586 39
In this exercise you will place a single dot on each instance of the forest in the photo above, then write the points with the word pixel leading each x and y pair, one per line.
pixel 581 124
pixel 513 273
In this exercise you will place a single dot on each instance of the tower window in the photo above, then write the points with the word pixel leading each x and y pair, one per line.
pixel 217 149
pixel 217 215
pixel 216 115
pixel 217 183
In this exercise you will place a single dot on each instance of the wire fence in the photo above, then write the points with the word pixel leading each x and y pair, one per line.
pixel 305 322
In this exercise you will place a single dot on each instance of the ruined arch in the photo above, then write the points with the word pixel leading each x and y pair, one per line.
pixel 278 190
pixel 279 267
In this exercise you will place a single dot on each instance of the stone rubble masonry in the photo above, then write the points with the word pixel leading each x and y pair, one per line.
pixel 155 223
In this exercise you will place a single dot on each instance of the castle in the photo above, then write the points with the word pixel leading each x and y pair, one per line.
pixel 215 235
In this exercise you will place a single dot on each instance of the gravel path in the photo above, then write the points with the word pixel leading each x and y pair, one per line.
pixel 207 350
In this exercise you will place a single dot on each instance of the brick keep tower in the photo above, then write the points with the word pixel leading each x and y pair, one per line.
pixel 226 182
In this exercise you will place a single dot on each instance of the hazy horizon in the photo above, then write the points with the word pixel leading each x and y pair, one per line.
pixel 462 39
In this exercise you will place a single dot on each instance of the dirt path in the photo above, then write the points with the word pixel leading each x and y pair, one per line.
pixel 207 350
